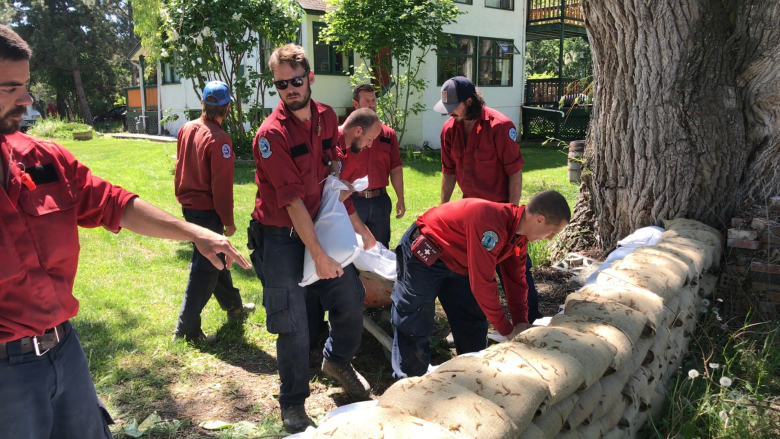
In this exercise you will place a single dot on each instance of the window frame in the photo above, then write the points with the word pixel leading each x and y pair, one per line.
pixel 456 55
pixel 495 56
pixel 464 2
pixel 175 79
pixel 510 8
pixel 349 58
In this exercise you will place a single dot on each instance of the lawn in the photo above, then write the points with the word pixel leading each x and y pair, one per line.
pixel 130 288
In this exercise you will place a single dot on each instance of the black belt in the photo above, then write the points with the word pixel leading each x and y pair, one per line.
pixel 39 344
pixel 371 193
pixel 276 230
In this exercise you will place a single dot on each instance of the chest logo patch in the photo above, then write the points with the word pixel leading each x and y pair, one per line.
pixel 513 134
pixel 265 148
pixel 489 240
pixel 226 151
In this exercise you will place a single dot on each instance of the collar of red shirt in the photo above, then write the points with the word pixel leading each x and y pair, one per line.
pixel 315 107
pixel 21 142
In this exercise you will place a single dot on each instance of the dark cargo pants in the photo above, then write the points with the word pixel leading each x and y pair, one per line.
pixel 375 214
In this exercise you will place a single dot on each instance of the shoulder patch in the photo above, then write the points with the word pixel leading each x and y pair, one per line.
pixel 264 147
pixel 226 153
pixel 489 240
pixel 513 134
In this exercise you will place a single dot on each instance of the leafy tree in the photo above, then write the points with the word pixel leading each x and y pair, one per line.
pixel 541 57
pixel 408 29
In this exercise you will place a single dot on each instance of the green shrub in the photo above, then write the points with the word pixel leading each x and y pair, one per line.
pixel 56 128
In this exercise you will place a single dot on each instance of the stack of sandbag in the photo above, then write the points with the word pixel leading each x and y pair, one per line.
pixel 597 371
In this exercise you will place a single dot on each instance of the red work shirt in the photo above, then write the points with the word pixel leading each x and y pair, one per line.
pixel 474 235
pixel 39 232
pixel 376 161
pixel 291 158
pixel 483 166
pixel 204 169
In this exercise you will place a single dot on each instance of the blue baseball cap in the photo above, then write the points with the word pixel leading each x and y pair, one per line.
pixel 218 90
pixel 453 92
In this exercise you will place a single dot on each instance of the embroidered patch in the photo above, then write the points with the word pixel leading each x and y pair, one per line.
pixel 264 147
pixel 444 96
pixel 489 240
pixel 513 134
pixel 226 151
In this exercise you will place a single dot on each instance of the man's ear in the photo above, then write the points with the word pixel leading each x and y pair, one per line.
pixel 311 77
pixel 358 131
pixel 355 104
pixel 540 219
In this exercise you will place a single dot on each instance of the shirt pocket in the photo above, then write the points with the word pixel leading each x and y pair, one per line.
pixel 484 155
pixel 308 177
pixel 51 215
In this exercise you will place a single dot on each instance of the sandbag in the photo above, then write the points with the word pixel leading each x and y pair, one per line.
pixel 587 400
pixel 615 433
pixel 379 422
pixel 599 428
pixel 665 283
pixel 571 434
pixel 707 251
pixel 516 391
pixel 553 421
pixel 378 260
pixel 663 262
pixel 715 241
pixel 642 355
pixel 334 231
pixel 697 258
pixel 606 332
pixel 636 385
pixel 631 322
pixel 688 224
pixel 612 387
pixel 532 432
pixel 694 267
pixel 593 353
pixel 461 411
pixel 648 303
pixel 659 348
pixel 562 373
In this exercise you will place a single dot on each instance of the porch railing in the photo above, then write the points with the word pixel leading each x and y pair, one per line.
pixel 554 11
pixel 134 99
pixel 544 92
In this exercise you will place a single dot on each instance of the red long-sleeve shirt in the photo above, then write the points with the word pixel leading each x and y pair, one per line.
pixel 474 235
pixel 39 232
pixel 204 169
pixel 376 162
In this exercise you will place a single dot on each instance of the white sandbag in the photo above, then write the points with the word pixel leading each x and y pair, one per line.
pixel 648 303
pixel 610 334
pixel 334 231
pixel 616 255
pixel 379 421
pixel 378 260
pixel 642 237
pixel 587 401
pixel 552 422
pixel 562 373
pixel 633 323
pixel 592 352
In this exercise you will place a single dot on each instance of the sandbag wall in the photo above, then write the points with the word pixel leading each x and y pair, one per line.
pixel 597 371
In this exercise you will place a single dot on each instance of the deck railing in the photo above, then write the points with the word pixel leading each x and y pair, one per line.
pixel 554 11
pixel 545 91
pixel 134 99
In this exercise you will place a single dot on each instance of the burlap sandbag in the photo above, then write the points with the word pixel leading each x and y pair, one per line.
pixel 611 394
pixel 659 311
pixel 606 332
pixel 657 401
pixel 665 283
pixel 697 258
pixel 583 409
pixel 599 428
pixel 637 424
pixel 571 434
pixel 593 353
pixel 516 391
pixel 660 349
pixel 379 422
pixel 615 433
pixel 562 373
pixel 461 411
pixel 663 262
pixel 706 250
pixel 631 322
pixel 694 269
pixel 642 354
pixel 636 386
pixel 686 224
pixel 552 422
pixel 532 432
pixel 707 285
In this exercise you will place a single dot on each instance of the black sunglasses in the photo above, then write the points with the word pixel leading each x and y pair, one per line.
pixel 296 82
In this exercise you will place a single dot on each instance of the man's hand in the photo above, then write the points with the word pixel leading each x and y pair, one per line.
pixel 345 194
pixel 210 244
pixel 400 209
pixel 520 327
pixel 230 230
pixel 327 267
pixel 368 239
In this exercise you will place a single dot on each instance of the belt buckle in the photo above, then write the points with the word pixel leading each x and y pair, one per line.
pixel 35 343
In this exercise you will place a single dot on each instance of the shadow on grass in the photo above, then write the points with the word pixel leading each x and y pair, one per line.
pixel 427 163
pixel 233 348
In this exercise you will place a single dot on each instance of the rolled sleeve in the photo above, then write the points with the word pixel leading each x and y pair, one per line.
pixel 508 150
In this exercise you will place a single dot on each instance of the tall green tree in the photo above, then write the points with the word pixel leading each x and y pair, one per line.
pixel 541 57
pixel 408 29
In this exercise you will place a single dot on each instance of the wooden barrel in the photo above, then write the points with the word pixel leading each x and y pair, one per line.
pixel 576 150
pixel 82 135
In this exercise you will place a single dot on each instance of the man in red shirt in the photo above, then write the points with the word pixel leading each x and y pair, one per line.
pixel 294 153
pixel 451 252
pixel 45 195
pixel 479 151
pixel 380 161
pixel 204 187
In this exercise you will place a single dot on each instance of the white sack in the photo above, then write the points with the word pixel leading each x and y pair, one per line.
pixel 642 237
pixel 378 260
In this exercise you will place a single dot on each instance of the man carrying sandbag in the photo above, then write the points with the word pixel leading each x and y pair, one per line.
pixel 451 252
pixel 293 150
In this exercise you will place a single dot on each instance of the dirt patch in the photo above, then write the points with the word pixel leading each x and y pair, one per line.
pixel 553 287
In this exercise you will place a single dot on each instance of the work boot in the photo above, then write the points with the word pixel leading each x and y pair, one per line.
pixel 240 313
pixel 356 386
pixel 295 419
pixel 208 339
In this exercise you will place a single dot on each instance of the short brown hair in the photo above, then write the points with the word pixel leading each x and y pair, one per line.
pixel 364 118
pixel 552 205
pixel 214 112
pixel 12 46
pixel 362 87
pixel 291 54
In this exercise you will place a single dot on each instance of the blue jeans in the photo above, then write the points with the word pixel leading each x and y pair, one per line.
pixel 205 279
pixel 414 306
pixel 375 213
pixel 51 396
pixel 278 262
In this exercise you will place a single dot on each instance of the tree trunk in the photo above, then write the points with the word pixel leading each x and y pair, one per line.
pixel 86 114
pixel 685 116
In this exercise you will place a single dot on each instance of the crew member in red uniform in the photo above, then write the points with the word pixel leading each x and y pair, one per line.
pixel 204 187
pixel 451 252
pixel 294 152
pixel 479 151
pixel 45 195
pixel 380 161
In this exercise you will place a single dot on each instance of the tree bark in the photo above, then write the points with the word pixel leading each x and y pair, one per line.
pixel 685 112
pixel 86 114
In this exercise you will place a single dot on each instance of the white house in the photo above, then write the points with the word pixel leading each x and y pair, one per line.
pixel 486 36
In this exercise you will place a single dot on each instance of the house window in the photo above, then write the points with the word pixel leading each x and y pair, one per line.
pixel 327 60
pixel 169 74
pixel 458 58
pixel 465 2
pixel 500 4
pixel 495 65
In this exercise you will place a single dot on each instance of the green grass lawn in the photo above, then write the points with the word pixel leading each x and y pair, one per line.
pixel 130 288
